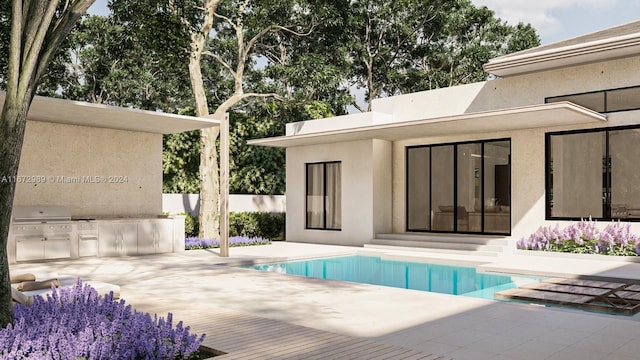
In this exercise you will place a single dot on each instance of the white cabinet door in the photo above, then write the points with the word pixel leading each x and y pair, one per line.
pixel 118 239
pixel 129 237
pixel 165 237
pixel 108 240
pixel 155 237
pixel 146 238
pixel 57 247
pixel 29 248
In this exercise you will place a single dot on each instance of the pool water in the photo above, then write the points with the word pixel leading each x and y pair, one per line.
pixel 446 279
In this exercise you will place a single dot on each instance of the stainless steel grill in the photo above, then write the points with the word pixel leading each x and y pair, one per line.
pixel 41 232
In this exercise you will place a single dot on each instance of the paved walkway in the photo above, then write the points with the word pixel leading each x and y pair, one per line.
pixel 243 311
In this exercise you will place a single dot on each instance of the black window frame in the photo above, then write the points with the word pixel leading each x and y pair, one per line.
pixel 324 197
pixel 483 142
pixel 605 98
pixel 607 185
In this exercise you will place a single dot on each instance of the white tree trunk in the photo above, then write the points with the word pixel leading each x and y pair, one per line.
pixel 209 184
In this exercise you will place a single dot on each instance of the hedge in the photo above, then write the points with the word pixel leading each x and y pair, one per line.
pixel 250 224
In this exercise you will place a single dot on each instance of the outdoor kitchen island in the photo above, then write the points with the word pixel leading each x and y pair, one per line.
pixel 49 232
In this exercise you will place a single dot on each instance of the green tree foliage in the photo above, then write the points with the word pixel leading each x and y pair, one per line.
pixel 253 169
pixel 180 162
pixel 261 170
pixel 413 45
pixel 113 65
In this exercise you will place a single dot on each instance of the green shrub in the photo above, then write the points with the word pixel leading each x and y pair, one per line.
pixel 257 224
pixel 191 225
pixel 250 224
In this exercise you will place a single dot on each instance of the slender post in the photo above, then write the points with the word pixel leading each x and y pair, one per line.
pixel 224 185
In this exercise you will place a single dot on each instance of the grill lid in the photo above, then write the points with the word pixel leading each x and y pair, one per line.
pixel 22 214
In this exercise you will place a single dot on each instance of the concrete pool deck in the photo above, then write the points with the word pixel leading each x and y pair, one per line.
pixel 195 283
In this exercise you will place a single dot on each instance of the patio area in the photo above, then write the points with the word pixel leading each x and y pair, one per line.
pixel 252 314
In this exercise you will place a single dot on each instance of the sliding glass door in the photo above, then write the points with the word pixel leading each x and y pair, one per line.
pixel 462 187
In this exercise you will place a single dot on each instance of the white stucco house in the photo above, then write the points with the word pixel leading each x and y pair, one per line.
pixel 553 137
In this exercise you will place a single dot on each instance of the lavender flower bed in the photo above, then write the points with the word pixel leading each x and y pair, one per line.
pixel 76 323
pixel 584 237
pixel 192 243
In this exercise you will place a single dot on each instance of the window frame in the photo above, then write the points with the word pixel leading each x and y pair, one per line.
pixel 324 195
pixel 607 188
pixel 605 98
pixel 455 145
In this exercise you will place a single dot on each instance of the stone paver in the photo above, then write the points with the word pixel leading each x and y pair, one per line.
pixel 423 322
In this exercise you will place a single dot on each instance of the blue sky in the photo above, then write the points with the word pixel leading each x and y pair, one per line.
pixel 554 20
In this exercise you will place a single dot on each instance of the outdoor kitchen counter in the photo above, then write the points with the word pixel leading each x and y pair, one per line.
pixel 90 236
pixel 139 235
pixel 122 218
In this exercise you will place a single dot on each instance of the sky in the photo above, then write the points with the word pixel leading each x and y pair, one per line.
pixel 554 20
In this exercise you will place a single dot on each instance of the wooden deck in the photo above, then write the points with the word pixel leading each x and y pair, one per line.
pixel 243 336
pixel 605 296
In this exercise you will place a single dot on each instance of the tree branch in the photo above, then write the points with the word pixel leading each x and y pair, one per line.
pixel 225 19
pixel 267 95
pixel 14 58
pixel 75 11
pixel 220 60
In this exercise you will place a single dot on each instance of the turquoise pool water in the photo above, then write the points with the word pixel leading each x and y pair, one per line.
pixel 446 279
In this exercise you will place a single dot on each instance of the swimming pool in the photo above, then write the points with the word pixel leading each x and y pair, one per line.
pixel 446 279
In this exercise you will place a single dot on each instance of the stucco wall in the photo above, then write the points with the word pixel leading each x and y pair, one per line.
pixel 93 171
pixel 359 191
pixel 523 90
pixel 528 145
pixel 368 166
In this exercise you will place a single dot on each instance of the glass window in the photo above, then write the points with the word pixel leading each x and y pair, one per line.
pixel 610 100
pixel 624 153
pixel 324 196
pixel 469 183
pixel 333 196
pixel 418 194
pixel 442 188
pixel 463 187
pixel 593 101
pixel 497 187
pixel 623 99
pixel 576 168
pixel 594 174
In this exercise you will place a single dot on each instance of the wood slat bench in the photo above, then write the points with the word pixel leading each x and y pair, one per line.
pixel 603 296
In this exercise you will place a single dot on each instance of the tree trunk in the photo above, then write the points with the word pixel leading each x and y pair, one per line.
pixel 13 120
pixel 209 181
pixel 209 184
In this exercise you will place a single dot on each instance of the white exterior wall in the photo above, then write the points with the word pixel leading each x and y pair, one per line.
pixel 366 191
pixel 368 169
pixel 527 146
pixel 129 162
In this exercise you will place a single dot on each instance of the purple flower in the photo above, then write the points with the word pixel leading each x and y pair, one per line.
pixel 197 243
pixel 584 237
pixel 76 323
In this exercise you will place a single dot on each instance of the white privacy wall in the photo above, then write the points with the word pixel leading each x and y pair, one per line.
pixel 125 168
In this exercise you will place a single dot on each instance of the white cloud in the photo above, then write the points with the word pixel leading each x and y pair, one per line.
pixel 541 13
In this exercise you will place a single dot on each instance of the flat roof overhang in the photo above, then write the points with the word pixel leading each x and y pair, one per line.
pixel 528 117
pixel 81 113
pixel 571 55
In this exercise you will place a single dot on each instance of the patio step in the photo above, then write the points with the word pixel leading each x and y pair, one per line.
pixel 454 244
